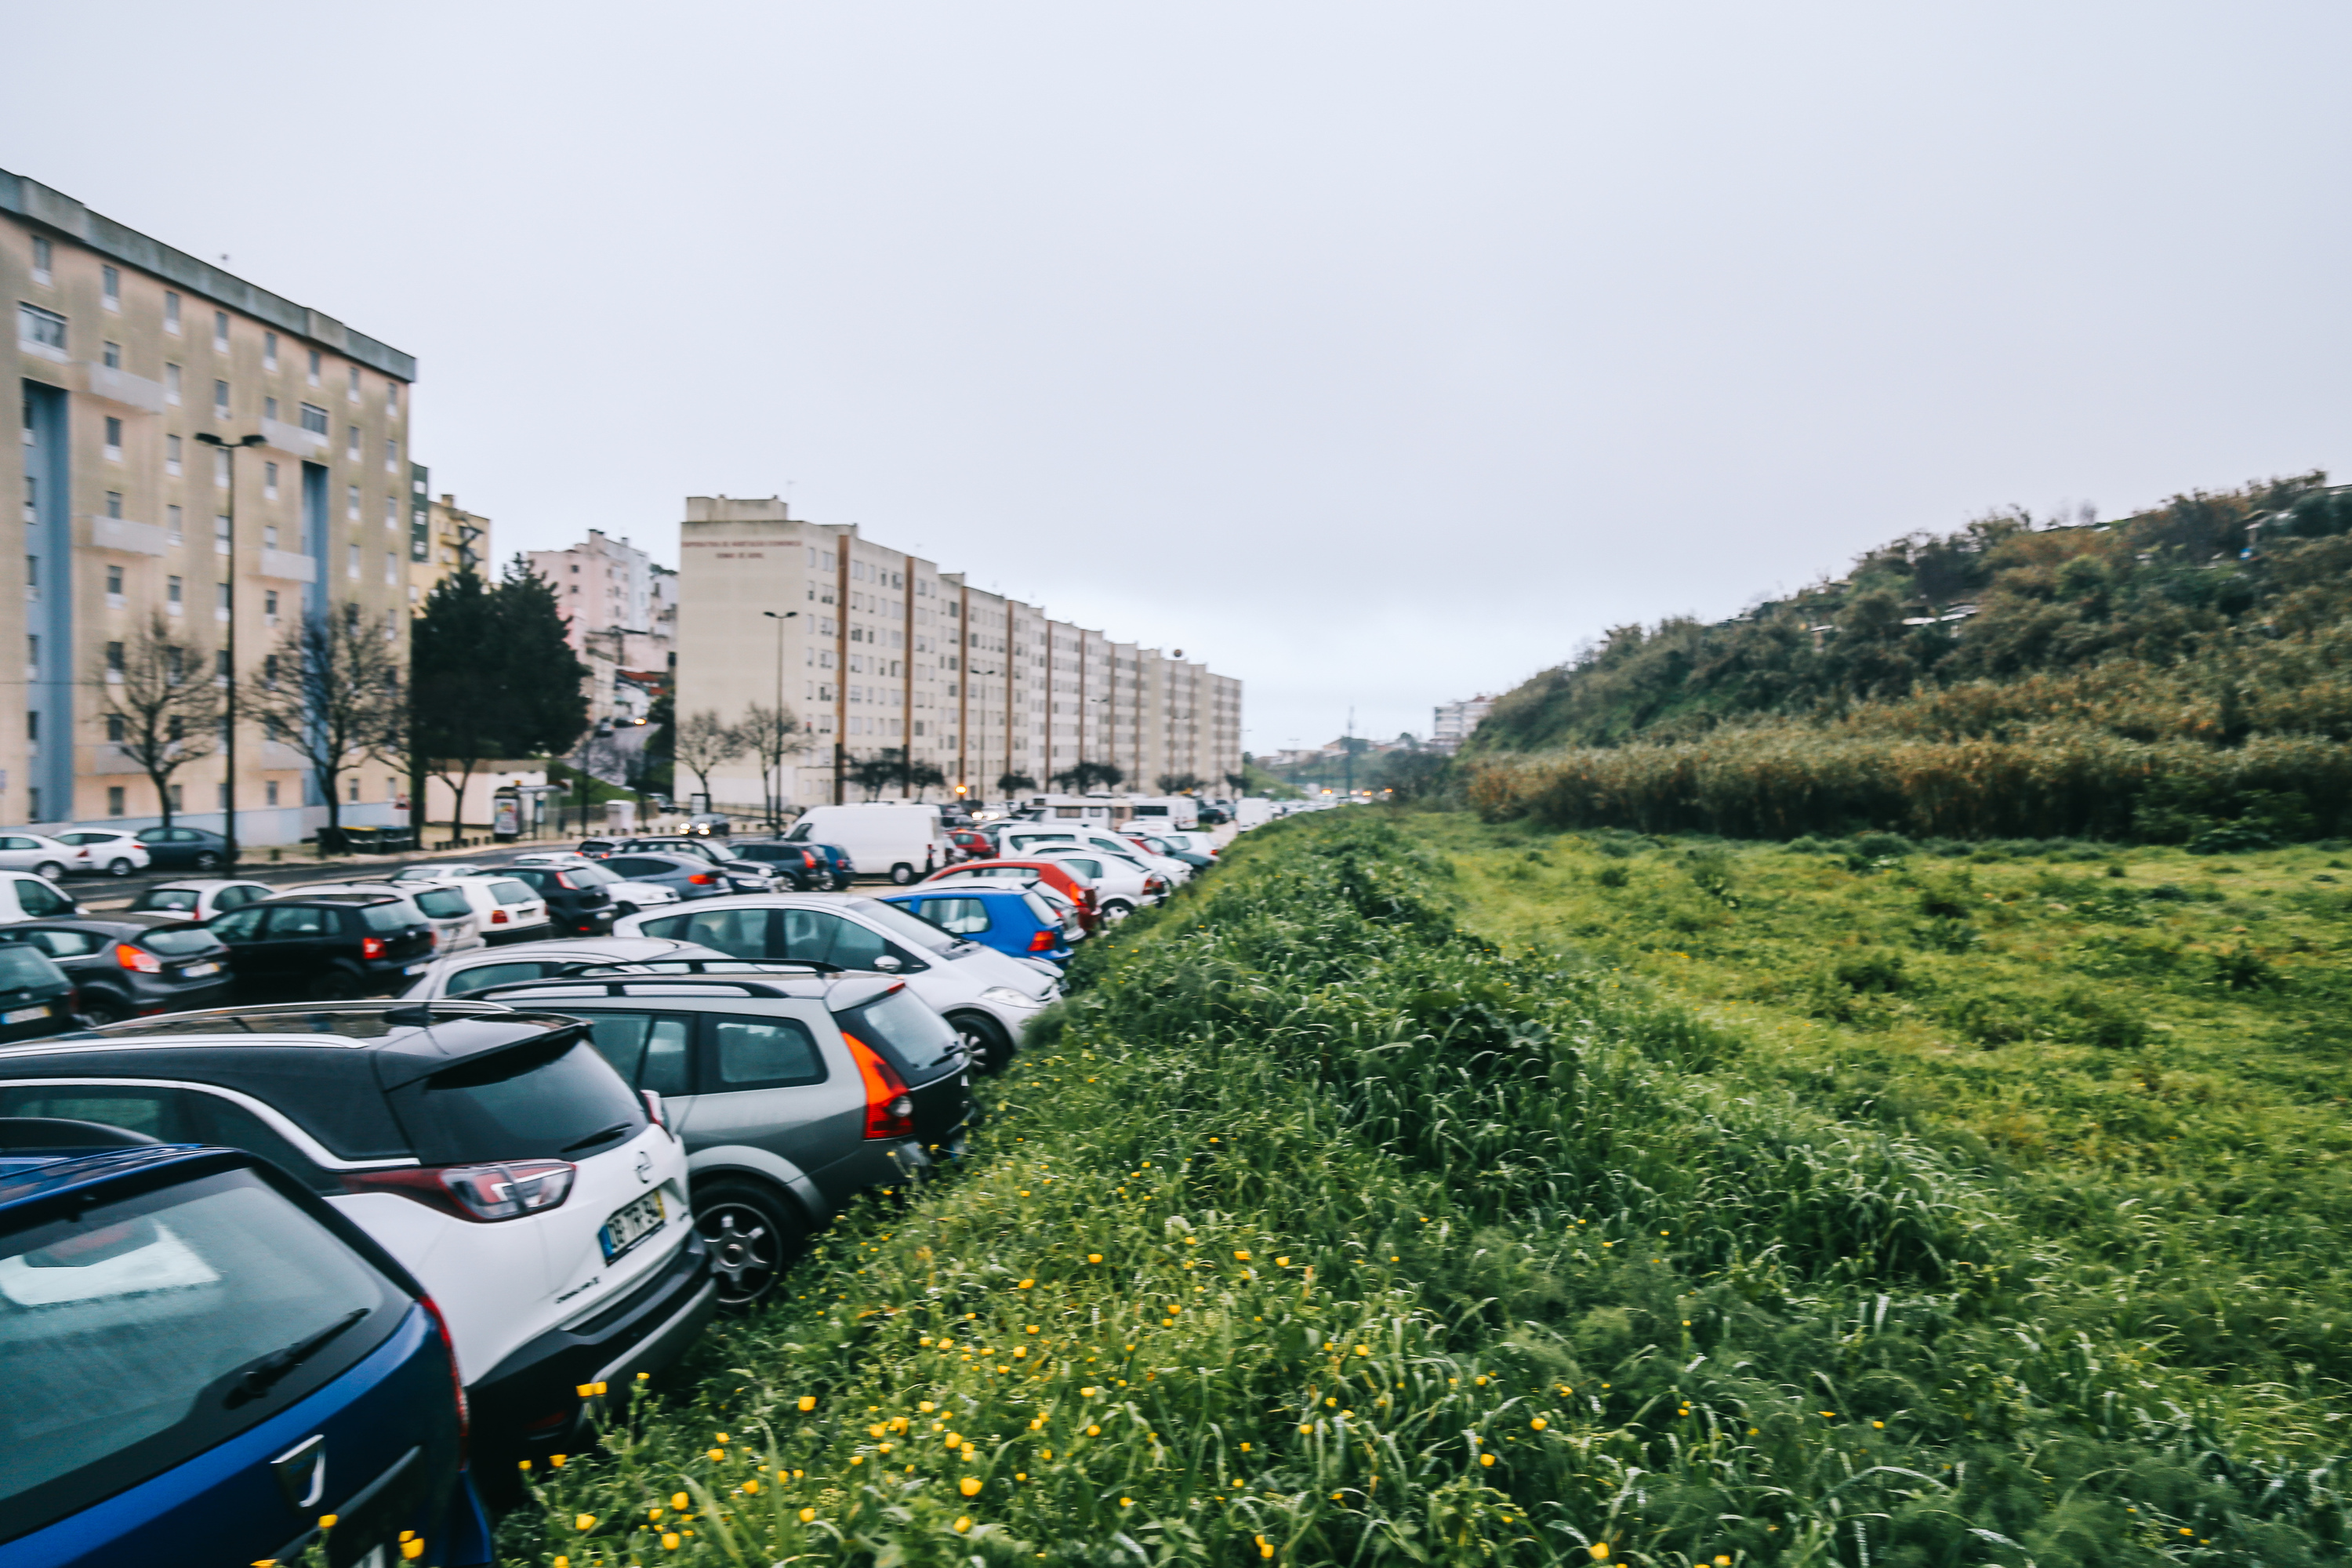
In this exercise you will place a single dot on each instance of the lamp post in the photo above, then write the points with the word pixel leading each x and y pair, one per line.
pixel 228 450
pixel 775 807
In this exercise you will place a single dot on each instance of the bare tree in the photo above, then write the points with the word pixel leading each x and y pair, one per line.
pixel 772 734
pixel 163 707
pixel 702 742
pixel 332 691
pixel 1180 783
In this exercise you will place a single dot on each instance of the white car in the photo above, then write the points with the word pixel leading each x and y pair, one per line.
pixel 506 909
pixel 989 997
pixel 462 974
pixel 201 899
pixel 628 896
pixel 33 852
pixel 1122 886
pixel 29 898
pixel 1019 843
pixel 456 927
pixel 96 849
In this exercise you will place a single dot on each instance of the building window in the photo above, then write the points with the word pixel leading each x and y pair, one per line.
pixel 352 442
pixel 220 534
pixel 269 350
pixel 32 656
pixel 39 329
pixel 115 727
pixel 171 594
pixel 114 437
pixel 270 409
pixel 391 398
pixel 114 592
pixel 114 503
pixel 220 467
pixel 220 605
pixel 220 331
pixel 172 456
pixel 220 400
pixel 392 513
pixel 110 284
pixel 175 521
pixel 41 258
pixel 269 480
pixel 112 355
pixel 175 792
pixel 351 502
pixel 270 536
pixel 314 367
pixel 392 455
pixel 172 313
pixel 314 419
pixel 114 800
pixel 269 792
pixel 390 567
pixel 33 727
pixel 269 605
pixel 353 393
pixel 114 656
pixel 352 563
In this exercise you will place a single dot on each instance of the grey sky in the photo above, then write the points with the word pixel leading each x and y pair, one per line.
pixel 1374 352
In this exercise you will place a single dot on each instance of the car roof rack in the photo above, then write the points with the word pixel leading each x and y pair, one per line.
pixel 697 966
pixel 619 986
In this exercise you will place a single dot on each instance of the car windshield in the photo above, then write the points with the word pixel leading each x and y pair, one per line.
pixel 132 1333
pixel 912 930
pixel 442 903
pixel 23 966
pixel 800 833
pixel 552 1098
pixel 169 898
pixel 178 941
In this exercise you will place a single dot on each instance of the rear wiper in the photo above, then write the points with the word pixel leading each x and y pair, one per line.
pixel 594 1137
pixel 263 1374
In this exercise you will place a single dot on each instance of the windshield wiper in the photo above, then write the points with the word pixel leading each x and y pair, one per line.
pixel 265 1373
pixel 594 1137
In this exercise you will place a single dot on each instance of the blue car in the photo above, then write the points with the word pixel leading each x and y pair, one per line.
pixel 206 1364
pixel 1014 920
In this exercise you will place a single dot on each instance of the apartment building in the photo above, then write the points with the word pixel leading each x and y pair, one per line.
pixel 623 616
pixel 126 350
pixel 876 649
pixel 1455 721
pixel 444 539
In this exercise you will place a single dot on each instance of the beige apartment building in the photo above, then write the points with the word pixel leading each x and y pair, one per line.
pixel 875 649
pixel 125 351
pixel 444 539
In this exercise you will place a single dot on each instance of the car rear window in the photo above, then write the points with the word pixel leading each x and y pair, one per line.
pixel 586 875
pixel 173 942
pixel 398 914
pixel 509 891
pixel 442 903
pixel 126 1329
pixel 22 966
pixel 908 1032
pixel 1044 911
pixel 168 899
pixel 551 1098
pixel 906 928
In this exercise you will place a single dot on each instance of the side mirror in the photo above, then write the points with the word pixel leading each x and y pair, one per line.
pixel 889 964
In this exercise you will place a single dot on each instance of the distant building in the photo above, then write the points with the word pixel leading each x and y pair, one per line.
pixel 1456 720
pixel 623 610
pixel 444 539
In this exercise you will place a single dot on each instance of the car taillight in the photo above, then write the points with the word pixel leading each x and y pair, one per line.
pixel 656 1108
pixel 370 947
pixel 486 1194
pixel 137 958
pixel 889 1109
pixel 456 1378
pixel 702 879
pixel 563 881
pixel 1041 942
pixel 497 917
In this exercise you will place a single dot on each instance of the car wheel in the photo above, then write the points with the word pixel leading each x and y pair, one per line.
pixel 902 874
pixel 984 1040
pixel 1116 910
pixel 118 868
pixel 207 860
pixel 334 985
pixel 753 1235
pixel 98 1009
pixel 50 869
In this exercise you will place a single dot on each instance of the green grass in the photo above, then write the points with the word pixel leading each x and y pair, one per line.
pixel 1398 1149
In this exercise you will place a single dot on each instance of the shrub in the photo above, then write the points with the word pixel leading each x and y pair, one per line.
pixel 1612 875
pixel 1879 973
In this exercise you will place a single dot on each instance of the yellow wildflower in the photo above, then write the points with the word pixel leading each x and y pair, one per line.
pixel 969 1486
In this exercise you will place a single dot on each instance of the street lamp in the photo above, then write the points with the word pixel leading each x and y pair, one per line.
pixel 775 807
pixel 228 732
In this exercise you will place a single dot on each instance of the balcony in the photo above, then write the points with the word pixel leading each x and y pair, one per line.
pixel 292 439
pixel 285 565
pixel 121 386
pixel 121 533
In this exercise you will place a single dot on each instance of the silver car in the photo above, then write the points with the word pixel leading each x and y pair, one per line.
pixel 42 856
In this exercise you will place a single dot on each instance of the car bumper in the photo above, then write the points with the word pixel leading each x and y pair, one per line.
pixel 533 1398
pixel 507 936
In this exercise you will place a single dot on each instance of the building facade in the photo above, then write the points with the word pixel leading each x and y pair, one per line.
pixel 444 539
pixel 876 651
pixel 126 350
pixel 1455 721
pixel 623 610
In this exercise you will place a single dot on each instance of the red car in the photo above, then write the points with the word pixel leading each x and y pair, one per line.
pixel 974 844
pixel 1070 884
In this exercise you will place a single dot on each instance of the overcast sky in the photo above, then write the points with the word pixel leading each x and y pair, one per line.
pixel 1379 354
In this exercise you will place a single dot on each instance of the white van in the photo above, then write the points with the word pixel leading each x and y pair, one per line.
pixel 1100 811
pixel 903 840
pixel 1155 812
pixel 1253 812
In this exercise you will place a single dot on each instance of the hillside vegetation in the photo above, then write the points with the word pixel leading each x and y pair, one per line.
pixel 1343 1215
pixel 2160 677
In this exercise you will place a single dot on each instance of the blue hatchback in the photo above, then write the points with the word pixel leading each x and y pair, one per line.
pixel 1009 919
pixel 207 1364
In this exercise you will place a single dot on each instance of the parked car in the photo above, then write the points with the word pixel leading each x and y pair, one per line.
pixel 973 843
pixel 902 840
pixel 205 1359
pixel 328 946
pixel 1169 846
pixel 537 1198
pixel 988 997
pixel 1121 886
pixel 687 876
pixel 97 849
pixel 130 965
pixel 199 900
pixel 628 896
pixel 805 866
pixel 1065 880
pixel 793 1093
pixel 185 849
pixel 578 899
pixel 1009 919
pixel 1042 839
pixel 706 824
pixel 43 856
pixel 36 996
pixel 506 908
pixel 465 974
pixel 722 855
pixel 450 913
pixel 25 897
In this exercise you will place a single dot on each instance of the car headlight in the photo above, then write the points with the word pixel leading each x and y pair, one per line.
pixel 1005 996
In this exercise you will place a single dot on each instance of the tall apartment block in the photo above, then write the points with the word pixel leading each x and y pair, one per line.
pixel 622 607
pixel 877 650
pixel 444 539
pixel 1453 721
pixel 126 350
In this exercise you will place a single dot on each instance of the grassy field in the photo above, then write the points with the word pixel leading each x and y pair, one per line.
pixel 1420 1191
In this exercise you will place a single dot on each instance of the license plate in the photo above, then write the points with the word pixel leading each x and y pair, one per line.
pixel 416 969
pixel 194 970
pixel 630 1224
pixel 24 1015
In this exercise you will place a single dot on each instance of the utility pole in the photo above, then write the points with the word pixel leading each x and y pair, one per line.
pixel 1349 744
pixel 228 450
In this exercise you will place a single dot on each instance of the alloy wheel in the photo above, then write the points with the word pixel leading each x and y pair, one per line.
pixel 746 1253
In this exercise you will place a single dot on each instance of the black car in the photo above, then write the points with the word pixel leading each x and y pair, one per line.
pixel 325 946
pixel 183 849
pixel 803 865
pixel 126 965
pixel 36 996
pixel 578 903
